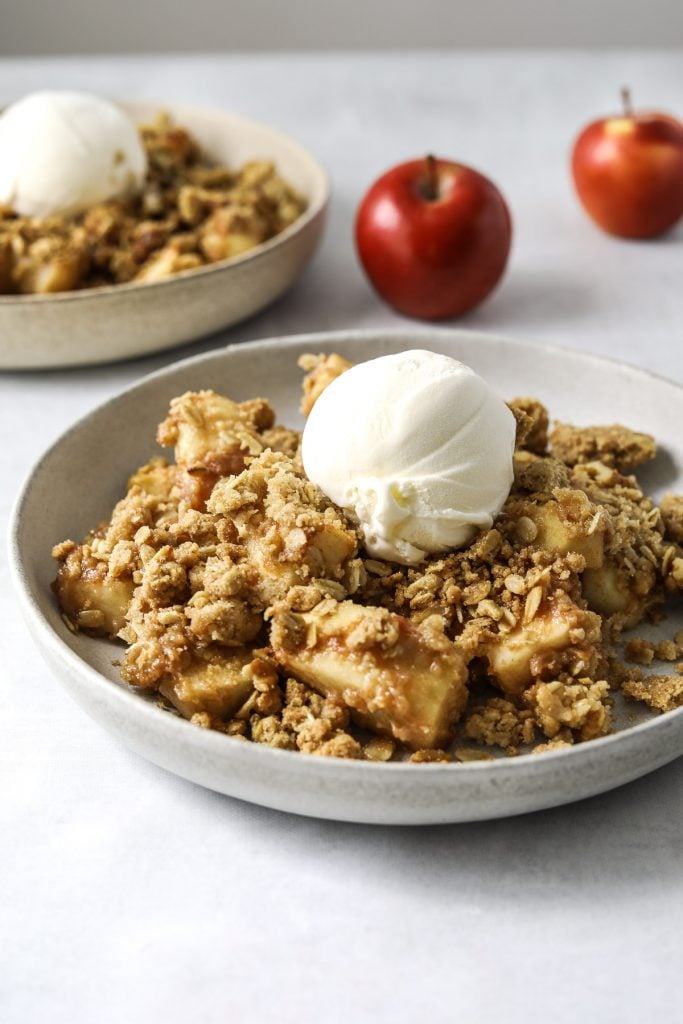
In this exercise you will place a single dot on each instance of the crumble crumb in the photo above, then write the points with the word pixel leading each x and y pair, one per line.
pixel 532 424
pixel 300 720
pixel 667 650
pixel 498 722
pixel 644 652
pixel 379 748
pixel 556 744
pixel 321 370
pixel 577 705
pixel 467 754
pixel 661 693
pixel 671 507
pixel 615 446
pixel 430 757
pixel 640 651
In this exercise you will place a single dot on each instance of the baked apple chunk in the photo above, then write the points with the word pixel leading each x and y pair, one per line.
pixel 216 686
pixel 96 579
pixel 212 437
pixel 558 636
pixel 88 596
pixel 569 522
pixel 398 678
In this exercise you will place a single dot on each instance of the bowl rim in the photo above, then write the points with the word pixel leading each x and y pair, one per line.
pixel 130 701
pixel 316 206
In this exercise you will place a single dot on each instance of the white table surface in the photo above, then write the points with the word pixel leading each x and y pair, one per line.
pixel 129 894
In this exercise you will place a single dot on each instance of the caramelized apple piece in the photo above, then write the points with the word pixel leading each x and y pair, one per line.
pixel 88 597
pixel 209 431
pixel 212 437
pixel 404 680
pixel 556 625
pixel 612 590
pixel 231 230
pixel 570 522
pixel 50 268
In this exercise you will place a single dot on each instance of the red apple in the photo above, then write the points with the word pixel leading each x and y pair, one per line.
pixel 628 172
pixel 433 237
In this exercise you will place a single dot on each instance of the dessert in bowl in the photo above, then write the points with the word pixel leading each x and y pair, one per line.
pixel 468 777
pixel 212 215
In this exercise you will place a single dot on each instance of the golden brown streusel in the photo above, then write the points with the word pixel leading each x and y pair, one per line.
pixel 532 424
pixel 613 446
pixel 581 706
pixel 639 650
pixel 500 723
pixel 321 370
pixel 307 722
pixel 661 693
pixel 248 603
pixel 667 650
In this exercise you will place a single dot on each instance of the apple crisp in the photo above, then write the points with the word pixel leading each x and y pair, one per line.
pixel 247 604
pixel 191 212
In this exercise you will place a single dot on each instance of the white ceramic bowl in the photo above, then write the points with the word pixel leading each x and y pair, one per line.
pixel 114 322
pixel 103 448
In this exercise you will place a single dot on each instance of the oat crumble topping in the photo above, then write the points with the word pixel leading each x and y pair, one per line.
pixel 247 603
pixel 613 446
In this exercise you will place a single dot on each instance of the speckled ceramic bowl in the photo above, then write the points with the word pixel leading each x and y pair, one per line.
pixel 114 322
pixel 119 436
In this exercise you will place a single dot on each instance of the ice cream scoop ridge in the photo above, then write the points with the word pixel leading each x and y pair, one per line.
pixel 417 446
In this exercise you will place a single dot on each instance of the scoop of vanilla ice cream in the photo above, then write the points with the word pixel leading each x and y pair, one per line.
pixel 418 446
pixel 63 151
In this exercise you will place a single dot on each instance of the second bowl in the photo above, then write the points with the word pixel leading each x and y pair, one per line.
pixel 113 322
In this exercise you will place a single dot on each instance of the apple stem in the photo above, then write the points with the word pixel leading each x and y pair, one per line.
pixel 431 184
pixel 626 100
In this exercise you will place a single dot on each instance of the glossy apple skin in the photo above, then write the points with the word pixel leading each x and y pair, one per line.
pixel 628 172
pixel 433 258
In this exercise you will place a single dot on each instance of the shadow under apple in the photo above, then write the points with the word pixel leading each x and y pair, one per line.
pixel 529 297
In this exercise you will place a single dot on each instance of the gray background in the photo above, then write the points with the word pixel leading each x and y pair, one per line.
pixel 92 26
